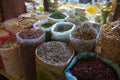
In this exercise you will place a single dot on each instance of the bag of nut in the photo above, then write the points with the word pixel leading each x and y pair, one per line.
pixel 9 54
pixel 108 42
pixel 28 40
pixel 51 60
pixel 4 35
pixel 83 38
pixel 61 31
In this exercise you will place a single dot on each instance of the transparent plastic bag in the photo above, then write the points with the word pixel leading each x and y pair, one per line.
pixel 62 35
pixel 80 40
pixel 30 41
pixel 82 45
pixel 27 54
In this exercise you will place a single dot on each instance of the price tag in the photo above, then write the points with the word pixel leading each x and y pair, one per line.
pixel 98 49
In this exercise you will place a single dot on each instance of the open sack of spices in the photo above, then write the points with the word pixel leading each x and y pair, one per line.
pixel 51 59
pixel 108 41
pixel 83 38
pixel 57 16
pixel 89 66
pixel 28 40
pixel 24 23
pixel 4 35
pixel 61 31
pixel 9 53
pixel 46 26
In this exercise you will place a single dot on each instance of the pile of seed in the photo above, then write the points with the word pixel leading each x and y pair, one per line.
pixel 30 34
pixel 93 69
pixel 84 32
pixel 8 43
pixel 107 29
pixel 55 53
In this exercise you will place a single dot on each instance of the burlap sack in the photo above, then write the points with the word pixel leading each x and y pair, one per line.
pixel 11 61
pixel 47 71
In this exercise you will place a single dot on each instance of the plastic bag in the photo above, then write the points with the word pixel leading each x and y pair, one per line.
pixel 27 53
pixel 10 57
pixel 82 45
pixel 81 56
pixel 30 41
pixel 61 31
pixel 83 38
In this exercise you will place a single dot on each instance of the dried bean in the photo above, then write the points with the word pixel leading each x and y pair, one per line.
pixel 30 34
pixel 87 69
pixel 56 53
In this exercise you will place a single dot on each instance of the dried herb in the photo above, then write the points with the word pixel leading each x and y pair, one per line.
pixel 47 25
pixel 58 15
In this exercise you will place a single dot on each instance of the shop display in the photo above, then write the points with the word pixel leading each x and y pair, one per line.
pixel 83 38
pixel 47 37
pixel 61 31
pixel 108 42
pixel 28 40
pixel 9 54
pixel 52 58
pixel 89 66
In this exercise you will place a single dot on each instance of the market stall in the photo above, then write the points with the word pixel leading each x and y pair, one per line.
pixel 45 40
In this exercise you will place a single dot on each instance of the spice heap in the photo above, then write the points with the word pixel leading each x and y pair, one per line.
pixel 30 34
pixel 93 69
pixel 109 41
pixel 84 32
pixel 8 43
pixel 55 53
pixel 58 15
